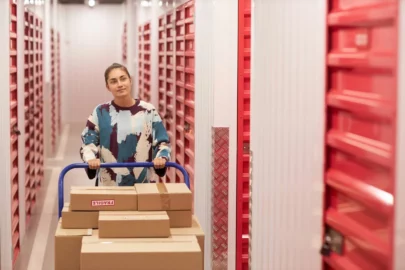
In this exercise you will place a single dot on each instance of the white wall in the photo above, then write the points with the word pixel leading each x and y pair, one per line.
pixel 287 133
pixel 216 41
pixel 91 41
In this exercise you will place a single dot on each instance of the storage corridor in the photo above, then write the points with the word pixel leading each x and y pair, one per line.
pixel 281 122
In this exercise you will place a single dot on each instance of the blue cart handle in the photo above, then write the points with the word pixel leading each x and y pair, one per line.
pixel 112 165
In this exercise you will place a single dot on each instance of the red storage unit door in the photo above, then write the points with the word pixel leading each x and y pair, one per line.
pixel 170 102
pixel 243 140
pixel 360 138
pixel 15 217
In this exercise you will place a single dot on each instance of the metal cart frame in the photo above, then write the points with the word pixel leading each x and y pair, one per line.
pixel 111 165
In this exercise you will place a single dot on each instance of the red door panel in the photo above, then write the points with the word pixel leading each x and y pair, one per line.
pixel 14 136
pixel 360 138
pixel 243 140
pixel 140 62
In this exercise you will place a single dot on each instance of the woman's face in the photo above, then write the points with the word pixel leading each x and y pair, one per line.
pixel 118 83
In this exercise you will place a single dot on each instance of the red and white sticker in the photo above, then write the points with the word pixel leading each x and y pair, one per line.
pixel 103 203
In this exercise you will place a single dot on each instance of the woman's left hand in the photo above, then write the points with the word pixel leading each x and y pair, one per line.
pixel 159 163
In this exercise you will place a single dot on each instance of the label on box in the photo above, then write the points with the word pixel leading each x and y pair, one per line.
pixel 103 203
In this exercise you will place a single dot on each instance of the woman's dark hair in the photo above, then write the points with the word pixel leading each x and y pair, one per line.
pixel 114 66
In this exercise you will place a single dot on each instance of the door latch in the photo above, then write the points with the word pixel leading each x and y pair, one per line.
pixel 333 242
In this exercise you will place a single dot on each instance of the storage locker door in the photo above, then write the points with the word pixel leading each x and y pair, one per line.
pixel 243 140
pixel 53 95
pixel 179 78
pixel 189 90
pixel 59 103
pixel 27 116
pixel 161 71
pixel 124 43
pixel 15 218
pixel 39 112
pixel 360 138
pixel 31 107
pixel 140 62
pixel 170 115
pixel 146 62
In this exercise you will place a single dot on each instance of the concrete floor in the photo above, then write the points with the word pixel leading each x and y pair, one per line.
pixel 37 247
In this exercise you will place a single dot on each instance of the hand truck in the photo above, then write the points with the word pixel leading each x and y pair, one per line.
pixel 111 165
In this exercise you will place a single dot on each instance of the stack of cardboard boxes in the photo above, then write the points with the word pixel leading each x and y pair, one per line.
pixel 148 227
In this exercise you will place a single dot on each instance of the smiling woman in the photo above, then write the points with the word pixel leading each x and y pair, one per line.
pixel 124 130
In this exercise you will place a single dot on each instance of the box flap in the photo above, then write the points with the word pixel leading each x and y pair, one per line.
pixel 176 188
pixel 72 232
pixel 195 229
pixel 94 238
pixel 141 246
pixel 102 188
pixel 132 215
pixel 146 188
pixel 102 191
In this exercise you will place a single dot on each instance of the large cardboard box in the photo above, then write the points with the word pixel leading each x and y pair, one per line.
pixel 163 196
pixel 68 244
pixel 174 253
pixel 133 224
pixel 103 199
pixel 194 230
pixel 79 219
pixel 180 219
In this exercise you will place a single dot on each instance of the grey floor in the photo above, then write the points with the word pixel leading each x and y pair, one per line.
pixel 37 247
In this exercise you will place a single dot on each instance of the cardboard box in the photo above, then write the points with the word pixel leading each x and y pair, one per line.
pixel 79 219
pixel 194 230
pixel 174 253
pixel 163 196
pixel 68 244
pixel 134 224
pixel 103 199
pixel 180 219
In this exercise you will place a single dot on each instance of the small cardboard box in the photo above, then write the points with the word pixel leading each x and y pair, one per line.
pixel 163 196
pixel 68 244
pixel 103 199
pixel 133 224
pixel 195 230
pixel 173 253
pixel 180 219
pixel 79 219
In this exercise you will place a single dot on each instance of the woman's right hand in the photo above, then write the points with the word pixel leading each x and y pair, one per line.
pixel 94 164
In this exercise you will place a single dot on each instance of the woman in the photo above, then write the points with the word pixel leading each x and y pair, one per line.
pixel 124 130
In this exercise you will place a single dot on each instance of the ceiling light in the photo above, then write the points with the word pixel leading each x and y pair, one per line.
pixel 92 3
pixel 160 3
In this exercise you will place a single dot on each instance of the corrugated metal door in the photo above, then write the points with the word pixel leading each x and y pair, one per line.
pixel 39 130
pixel 360 138
pixel 243 140
pixel 15 218
pixel 146 62
pixel 53 95
pixel 166 58
pixel 140 62
pixel 185 89
pixel 58 85
pixel 170 103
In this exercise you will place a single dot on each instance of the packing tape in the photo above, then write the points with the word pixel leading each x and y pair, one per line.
pixel 164 196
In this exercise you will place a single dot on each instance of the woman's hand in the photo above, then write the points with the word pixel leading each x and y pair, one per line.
pixel 159 163
pixel 94 164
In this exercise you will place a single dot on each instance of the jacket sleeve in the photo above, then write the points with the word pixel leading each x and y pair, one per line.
pixel 90 142
pixel 161 142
